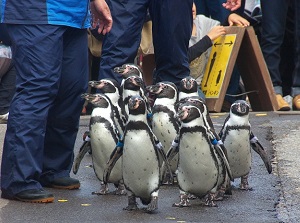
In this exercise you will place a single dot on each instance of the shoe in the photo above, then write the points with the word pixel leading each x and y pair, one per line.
pixel 283 105
pixel 67 183
pixel 32 196
pixel 296 102
pixel 3 118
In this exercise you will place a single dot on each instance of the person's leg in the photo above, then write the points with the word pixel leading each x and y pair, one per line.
pixel 63 118
pixel 287 65
pixel 272 34
pixel 172 27
pixel 273 28
pixel 120 45
pixel 38 54
pixel 7 89
pixel 296 74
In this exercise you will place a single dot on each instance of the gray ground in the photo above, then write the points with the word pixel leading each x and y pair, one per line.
pixel 274 197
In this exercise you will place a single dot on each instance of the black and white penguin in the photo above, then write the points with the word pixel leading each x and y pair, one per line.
pixel 131 87
pixel 221 152
pixel 164 123
pixel 128 70
pixel 104 136
pixel 188 87
pixel 198 168
pixel 237 137
pixel 141 153
pixel 111 88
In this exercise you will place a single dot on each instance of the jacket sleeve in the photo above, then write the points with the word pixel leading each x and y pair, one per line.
pixel 198 48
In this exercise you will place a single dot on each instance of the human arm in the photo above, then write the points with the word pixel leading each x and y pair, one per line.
pixel 198 48
pixel 203 44
pixel 232 5
pixel 101 16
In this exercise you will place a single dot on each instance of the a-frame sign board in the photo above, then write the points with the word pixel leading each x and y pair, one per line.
pixel 239 46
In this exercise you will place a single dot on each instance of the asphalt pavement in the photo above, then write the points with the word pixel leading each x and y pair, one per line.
pixel 274 199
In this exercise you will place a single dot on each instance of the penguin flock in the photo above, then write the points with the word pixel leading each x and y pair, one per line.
pixel 139 146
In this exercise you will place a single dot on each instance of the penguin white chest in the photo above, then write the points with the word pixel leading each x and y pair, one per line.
pixel 140 163
pixel 197 167
pixel 239 151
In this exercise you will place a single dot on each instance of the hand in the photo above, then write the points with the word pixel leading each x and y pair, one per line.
pixel 232 5
pixel 235 19
pixel 101 16
pixel 215 32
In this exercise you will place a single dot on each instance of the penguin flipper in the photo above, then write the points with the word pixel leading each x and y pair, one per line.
pixel 258 148
pixel 174 149
pixel 219 150
pixel 115 155
pixel 165 163
pixel 86 146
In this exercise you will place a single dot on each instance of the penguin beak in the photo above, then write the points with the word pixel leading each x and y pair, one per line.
pixel 84 96
pixel 155 89
pixel 133 103
pixel 119 70
pixel 137 81
pixel 96 84
pixel 189 84
pixel 182 113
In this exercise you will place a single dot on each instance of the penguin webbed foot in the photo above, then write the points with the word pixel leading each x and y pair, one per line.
pixel 192 197
pixel 132 204
pixel 244 184
pixel 131 207
pixel 152 206
pixel 209 201
pixel 103 190
pixel 120 190
pixel 184 201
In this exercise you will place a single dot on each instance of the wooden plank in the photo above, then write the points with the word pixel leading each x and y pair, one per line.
pixel 255 74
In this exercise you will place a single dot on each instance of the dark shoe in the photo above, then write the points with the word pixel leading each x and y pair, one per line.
pixel 32 196
pixel 64 183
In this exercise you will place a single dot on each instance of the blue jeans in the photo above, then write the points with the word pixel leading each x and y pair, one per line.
pixel 172 26
pixel 274 14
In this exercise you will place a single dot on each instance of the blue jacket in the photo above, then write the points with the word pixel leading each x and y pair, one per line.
pixel 73 13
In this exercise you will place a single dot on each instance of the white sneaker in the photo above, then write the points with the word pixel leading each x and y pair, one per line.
pixel 3 118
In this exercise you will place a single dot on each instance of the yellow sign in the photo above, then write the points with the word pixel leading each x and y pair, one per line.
pixel 215 70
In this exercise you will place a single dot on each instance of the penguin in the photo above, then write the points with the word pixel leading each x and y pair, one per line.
pixel 129 70
pixel 238 138
pixel 111 88
pixel 132 86
pixel 141 154
pixel 188 87
pixel 164 123
pixel 198 168
pixel 104 136
pixel 221 152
